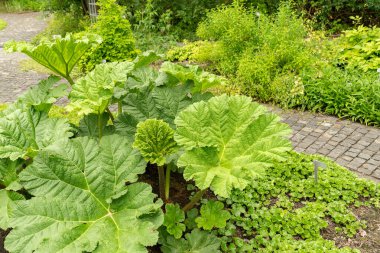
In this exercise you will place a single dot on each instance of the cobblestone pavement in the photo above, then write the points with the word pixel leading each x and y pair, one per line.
pixel 352 145
pixel 14 81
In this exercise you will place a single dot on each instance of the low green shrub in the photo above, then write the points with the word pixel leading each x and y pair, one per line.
pixel 359 48
pixel 118 42
pixel 350 94
pixel 265 55
pixel 3 24
pixel 23 5
pixel 62 22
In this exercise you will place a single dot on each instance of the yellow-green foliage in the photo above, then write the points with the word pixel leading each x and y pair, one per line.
pixel 265 54
pixel 118 42
pixel 3 107
pixel 3 24
pixel 60 112
pixel 360 48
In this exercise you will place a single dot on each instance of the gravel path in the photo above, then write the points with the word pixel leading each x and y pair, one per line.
pixel 13 81
pixel 352 145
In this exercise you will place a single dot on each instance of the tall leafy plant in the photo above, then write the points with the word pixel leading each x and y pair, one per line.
pixel 155 140
pixel 60 55
pixel 229 141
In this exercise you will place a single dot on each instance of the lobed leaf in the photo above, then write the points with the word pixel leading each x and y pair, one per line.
pixel 24 131
pixel 93 92
pixel 59 55
pixel 228 141
pixel 6 198
pixel 196 241
pixel 212 215
pixel 173 219
pixel 202 80
pixel 42 96
pixel 81 203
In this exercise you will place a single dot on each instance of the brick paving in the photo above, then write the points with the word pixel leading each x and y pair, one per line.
pixel 352 145
pixel 14 81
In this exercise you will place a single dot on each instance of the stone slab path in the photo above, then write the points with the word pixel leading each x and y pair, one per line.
pixel 355 146
pixel 13 81
pixel 352 145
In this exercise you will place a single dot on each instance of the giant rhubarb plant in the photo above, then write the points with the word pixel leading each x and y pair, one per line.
pixel 81 203
pixel 229 141
pixel 60 54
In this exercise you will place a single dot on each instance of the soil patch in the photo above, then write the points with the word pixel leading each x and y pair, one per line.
pixel 366 240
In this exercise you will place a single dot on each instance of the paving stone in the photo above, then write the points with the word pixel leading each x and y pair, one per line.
pixel 13 81
pixel 364 156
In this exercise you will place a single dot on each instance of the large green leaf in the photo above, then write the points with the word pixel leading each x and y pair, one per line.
pixel 81 203
pixel 43 95
pixel 202 80
pixel 60 55
pixel 196 242
pixel 6 198
pixel 8 173
pixel 155 141
pixel 229 141
pixel 89 125
pixel 93 92
pixel 155 103
pixel 23 131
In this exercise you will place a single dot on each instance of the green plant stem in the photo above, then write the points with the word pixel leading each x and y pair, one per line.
pixel 100 125
pixel 111 115
pixel 167 182
pixel 119 107
pixel 70 80
pixel 194 200
pixel 161 179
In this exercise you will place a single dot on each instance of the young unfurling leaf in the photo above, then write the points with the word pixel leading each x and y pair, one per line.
pixel 155 140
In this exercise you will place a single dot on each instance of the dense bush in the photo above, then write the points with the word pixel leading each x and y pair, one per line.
pixel 348 94
pixel 118 42
pixel 184 15
pixel 359 48
pixel 264 54
pixel 332 15
pixel 276 59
